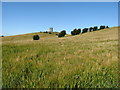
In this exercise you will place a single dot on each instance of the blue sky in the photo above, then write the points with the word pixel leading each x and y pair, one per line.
pixel 28 17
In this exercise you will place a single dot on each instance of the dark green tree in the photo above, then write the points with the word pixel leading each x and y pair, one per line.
pixel 90 29
pixel 78 31
pixel 95 28
pixel 107 27
pixel 36 37
pixel 102 27
pixel 2 36
pixel 50 33
pixel 74 32
pixel 85 30
pixel 62 33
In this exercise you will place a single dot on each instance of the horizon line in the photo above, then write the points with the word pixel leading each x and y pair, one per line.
pixel 48 30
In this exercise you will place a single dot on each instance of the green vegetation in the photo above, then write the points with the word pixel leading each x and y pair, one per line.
pixel 76 31
pixel 83 61
pixel 62 33
pixel 36 37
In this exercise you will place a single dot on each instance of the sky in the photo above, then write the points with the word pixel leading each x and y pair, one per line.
pixel 28 17
pixel 60 0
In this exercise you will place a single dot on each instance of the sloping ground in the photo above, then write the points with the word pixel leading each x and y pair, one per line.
pixel 85 60
pixel 28 36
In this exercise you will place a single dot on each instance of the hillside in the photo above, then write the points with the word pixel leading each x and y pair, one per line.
pixel 28 36
pixel 87 60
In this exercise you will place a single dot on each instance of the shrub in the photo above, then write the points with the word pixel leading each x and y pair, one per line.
pixel 85 30
pixel 36 37
pixel 50 33
pixel 95 28
pixel 90 29
pixel 107 27
pixel 76 31
pixel 46 32
pixel 2 36
pixel 102 27
pixel 62 33
pixel 72 33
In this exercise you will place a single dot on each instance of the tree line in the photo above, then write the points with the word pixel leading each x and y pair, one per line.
pixel 74 31
pixel 84 30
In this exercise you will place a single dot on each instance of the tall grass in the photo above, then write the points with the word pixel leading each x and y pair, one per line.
pixel 82 61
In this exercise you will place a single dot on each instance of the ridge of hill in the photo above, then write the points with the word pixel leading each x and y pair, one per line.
pixel 47 36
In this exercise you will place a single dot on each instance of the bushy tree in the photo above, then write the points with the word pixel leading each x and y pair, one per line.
pixel 76 31
pixel 50 33
pixel 107 27
pixel 85 30
pixel 73 33
pixel 36 37
pixel 45 32
pixel 79 31
pixel 102 27
pixel 2 36
pixel 95 28
pixel 62 33
pixel 90 29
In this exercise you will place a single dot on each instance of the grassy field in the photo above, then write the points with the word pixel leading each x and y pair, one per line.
pixel 87 60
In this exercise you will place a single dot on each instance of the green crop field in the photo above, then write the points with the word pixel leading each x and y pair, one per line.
pixel 88 60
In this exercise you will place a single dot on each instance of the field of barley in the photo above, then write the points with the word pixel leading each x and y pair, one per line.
pixel 88 60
